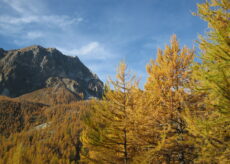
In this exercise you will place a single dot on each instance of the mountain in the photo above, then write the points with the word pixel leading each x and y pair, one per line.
pixel 46 72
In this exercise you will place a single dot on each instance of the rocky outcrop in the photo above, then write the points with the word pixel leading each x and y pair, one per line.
pixel 29 69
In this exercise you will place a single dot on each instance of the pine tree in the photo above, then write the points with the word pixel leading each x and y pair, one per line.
pixel 107 133
pixel 211 130
pixel 167 95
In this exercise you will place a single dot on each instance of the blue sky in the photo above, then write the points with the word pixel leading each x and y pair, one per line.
pixel 100 32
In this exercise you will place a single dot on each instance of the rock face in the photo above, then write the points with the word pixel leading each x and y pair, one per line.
pixel 32 68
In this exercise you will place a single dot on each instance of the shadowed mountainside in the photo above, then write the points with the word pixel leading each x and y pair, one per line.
pixel 29 69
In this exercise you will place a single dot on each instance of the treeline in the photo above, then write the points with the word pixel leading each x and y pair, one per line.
pixel 183 113
pixel 181 116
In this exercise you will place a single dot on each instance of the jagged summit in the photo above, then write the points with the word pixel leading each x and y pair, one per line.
pixel 35 67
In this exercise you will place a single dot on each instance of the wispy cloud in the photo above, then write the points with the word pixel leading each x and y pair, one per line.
pixel 52 20
pixel 25 7
pixel 91 51
pixel 34 34
pixel 89 48
pixel 30 12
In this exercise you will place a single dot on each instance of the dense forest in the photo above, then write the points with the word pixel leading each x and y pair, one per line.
pixel 181 116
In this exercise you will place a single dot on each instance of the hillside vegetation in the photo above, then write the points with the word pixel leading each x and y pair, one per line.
pixel 53 139
pixel 52 96
pixel 18 115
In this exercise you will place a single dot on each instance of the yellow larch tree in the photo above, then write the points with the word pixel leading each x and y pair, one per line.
pixel 211 130
pixel 167 94
pixel 107 136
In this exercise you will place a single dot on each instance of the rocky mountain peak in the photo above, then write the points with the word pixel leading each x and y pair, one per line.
pixel 28 69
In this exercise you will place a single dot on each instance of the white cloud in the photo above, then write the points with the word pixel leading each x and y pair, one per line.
pixel 17 20
pixel 90 51
pixel 89 48
pixel 34 35
pixel 59 20
pixel 31 12
pixel 25 7
pixel 48 20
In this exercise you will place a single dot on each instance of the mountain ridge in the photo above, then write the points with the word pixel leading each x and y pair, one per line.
pixel 28 69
